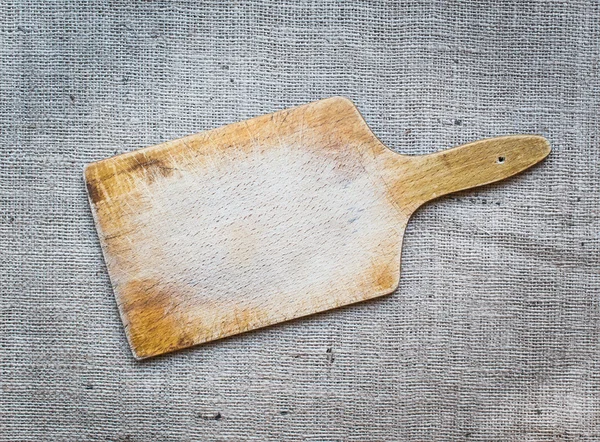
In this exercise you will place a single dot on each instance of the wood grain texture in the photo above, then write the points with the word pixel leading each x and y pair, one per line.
pixel 269 219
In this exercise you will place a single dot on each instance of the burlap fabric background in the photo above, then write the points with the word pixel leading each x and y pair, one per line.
pixel 494 333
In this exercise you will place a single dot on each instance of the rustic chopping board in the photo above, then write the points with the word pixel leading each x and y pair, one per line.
pixel 269 219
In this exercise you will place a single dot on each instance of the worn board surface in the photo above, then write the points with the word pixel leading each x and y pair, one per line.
pixel 246 226
pixel 269 219
pixel 494 331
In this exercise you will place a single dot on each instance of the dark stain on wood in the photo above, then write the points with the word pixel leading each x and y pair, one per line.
pixel 93 191
pixel 150 169
pixel 157 321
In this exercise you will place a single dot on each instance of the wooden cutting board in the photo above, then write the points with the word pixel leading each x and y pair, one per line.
pixel 269 219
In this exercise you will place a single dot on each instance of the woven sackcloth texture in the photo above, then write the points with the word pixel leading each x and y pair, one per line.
pixel 494 332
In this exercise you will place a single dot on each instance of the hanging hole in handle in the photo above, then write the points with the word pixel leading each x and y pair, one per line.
pixel 501 160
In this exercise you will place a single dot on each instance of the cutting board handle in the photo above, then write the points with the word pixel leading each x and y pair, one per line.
pixel 470 165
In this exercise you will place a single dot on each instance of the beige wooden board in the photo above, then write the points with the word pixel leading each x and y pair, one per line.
pixel 269 219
